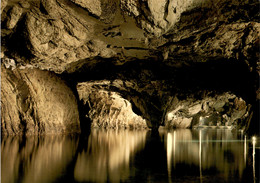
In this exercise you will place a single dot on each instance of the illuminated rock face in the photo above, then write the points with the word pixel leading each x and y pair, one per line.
pixel 224 110
pixel 108 109
pixel 98 38
pixel 36 102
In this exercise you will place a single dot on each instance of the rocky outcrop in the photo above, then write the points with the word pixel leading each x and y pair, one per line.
pixel 36 102
pixel 222 110
pixel 15 15
pixel 104 10
pixel 154 90
pixel 56 33
pixel 108 109
pixel 232 41
pixel 158 17
pixel 103 40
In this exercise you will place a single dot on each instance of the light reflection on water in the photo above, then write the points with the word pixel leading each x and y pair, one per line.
pixel 107 156
pixel 201 155
pixel 35 159
pixel 208 148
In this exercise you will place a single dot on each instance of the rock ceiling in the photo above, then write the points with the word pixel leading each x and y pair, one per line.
pixel 157 55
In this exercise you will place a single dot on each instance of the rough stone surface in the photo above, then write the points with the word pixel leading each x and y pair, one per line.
pixel 151 88
pixel 3 5
pixel 101 39
pixel 54 34
pixel 226 41
pixel 158 17
pixel 105 10
pixel 15 15
pixel 108 109
pixel 220 110
pixel 36 102
pixel 94 6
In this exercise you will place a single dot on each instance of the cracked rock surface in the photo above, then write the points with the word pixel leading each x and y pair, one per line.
pixel 149 51
pixel 108 109
pixel 36 102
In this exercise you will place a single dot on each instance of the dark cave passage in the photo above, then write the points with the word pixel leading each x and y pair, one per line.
pixel 150 86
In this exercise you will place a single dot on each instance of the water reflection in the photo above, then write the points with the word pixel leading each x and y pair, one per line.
pixel 202 155
pixel 35 159
pixel 245 149
pixel 209 149
pixel 107 156
pixel 254 143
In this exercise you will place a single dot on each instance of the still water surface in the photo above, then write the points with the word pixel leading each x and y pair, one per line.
pixel 201 155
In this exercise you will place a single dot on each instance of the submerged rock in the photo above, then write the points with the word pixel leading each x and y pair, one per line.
pixel 36 102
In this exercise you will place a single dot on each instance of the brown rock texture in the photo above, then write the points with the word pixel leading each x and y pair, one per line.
pixel 104 10
pixel 36 102
pixel 15 15
pixel 102 40
pixel 57 33
pixel 108 109
pixel 222 110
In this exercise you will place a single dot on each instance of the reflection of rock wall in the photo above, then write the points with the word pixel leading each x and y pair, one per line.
pixel 34 101
pixel 108 153
pixel 35 159
pixel 108 109
pixel 206 149
pixel 219 110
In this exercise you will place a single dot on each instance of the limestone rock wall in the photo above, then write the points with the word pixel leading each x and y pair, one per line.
pixel 107 109
pixel 36 102
pixel 220 110
pixel 52 34
pixel 65 36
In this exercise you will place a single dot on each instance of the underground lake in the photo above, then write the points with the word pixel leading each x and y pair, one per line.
pixel 122 91
pixel 181 155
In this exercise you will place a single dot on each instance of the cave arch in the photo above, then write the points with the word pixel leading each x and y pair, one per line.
pixel 149 85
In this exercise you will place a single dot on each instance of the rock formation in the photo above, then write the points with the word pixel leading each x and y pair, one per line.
pixel 145 52
pixel 221 110
pixel 108 109
pixel 36 102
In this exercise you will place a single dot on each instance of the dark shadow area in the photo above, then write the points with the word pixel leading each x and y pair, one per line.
pixel 195 79
pixel 17 42
pixel 151 162
pixel 218 75
pixel 85 122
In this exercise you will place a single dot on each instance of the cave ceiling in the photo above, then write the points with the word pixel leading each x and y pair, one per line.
pixel 148 51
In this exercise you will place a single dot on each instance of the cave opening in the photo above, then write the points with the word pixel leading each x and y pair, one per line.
pixel 214 93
